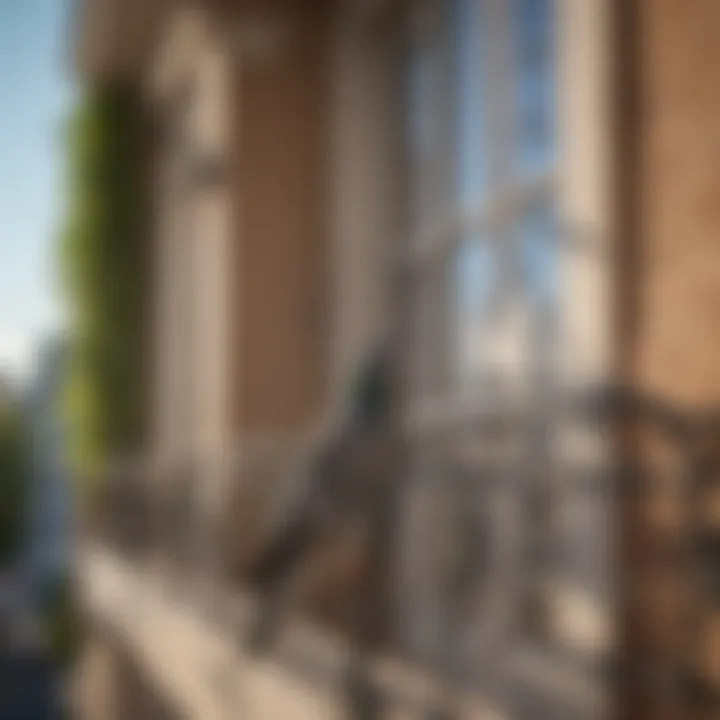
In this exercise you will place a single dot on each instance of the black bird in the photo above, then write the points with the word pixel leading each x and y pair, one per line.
pixel 346 482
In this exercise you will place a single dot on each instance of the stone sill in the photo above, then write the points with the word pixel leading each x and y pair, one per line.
pixel 189 651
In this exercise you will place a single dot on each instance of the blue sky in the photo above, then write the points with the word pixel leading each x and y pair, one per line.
pixel 35 96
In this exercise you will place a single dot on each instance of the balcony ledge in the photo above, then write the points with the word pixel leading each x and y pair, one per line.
pixel 188 650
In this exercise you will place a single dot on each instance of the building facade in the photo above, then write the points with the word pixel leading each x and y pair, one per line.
pixel 517 195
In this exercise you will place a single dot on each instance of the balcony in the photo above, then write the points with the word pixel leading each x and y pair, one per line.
pixel 498 581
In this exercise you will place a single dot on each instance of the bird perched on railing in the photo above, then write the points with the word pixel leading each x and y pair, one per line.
pixel 348 487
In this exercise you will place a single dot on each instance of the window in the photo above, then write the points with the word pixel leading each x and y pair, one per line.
pixel 489 328
pixel 483 155
pixel 482 257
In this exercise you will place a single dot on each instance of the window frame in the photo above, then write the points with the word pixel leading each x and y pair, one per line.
pixel 578 186
pixel 509 195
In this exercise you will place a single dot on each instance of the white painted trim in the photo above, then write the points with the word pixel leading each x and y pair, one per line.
pixel 584 188
pixel 363 199
pixel 184 33
pixel 586 49
pixel 193 54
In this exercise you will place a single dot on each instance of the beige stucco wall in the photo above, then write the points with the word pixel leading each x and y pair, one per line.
pixel 676 343
pixel 318 203
pixel 678 347
pixel 281 294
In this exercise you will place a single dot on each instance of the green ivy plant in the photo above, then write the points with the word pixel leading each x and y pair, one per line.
pixel 103 265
